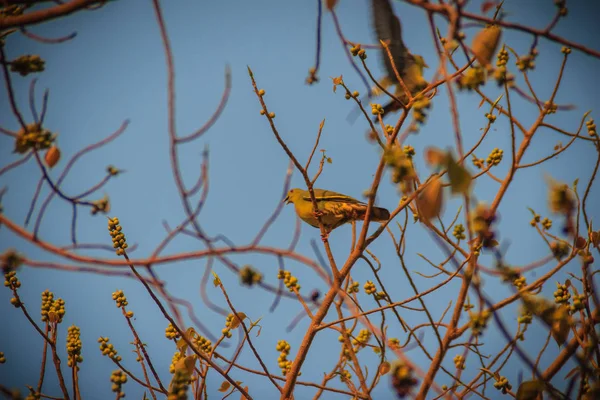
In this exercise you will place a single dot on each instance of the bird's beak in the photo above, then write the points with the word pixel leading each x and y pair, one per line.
pixel 287 200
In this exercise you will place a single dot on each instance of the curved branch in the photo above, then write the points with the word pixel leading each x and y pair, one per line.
pixel 47 14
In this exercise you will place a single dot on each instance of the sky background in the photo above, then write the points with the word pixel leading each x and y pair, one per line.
pixel 114 70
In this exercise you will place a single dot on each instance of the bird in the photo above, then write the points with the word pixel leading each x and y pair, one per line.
pixel 409 66
pixel 335 209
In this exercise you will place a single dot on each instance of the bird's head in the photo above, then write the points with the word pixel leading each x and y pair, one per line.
pixel 420 61
pixel 293 195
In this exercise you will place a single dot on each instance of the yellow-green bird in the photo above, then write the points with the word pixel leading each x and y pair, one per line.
pixel 336 209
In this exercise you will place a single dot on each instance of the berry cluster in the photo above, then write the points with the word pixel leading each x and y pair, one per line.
pixel 118 238
pixel 118 378
pixel 74 346
pixel 284 350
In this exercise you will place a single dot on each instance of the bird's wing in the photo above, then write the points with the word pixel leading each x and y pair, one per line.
pixel 328 195
pixel 388 28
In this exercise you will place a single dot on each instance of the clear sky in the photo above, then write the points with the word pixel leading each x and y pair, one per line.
pixel 114 70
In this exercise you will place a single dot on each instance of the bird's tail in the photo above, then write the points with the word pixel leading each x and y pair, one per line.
pixel 379 214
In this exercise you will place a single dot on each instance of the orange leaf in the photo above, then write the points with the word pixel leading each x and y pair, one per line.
pixel 330 4
pixel 52 156
pixel 430 200
pixel 237 321
pixel 434 156
pixel 384 368
pixel 487 5
pixel 242 397
pixel 224 387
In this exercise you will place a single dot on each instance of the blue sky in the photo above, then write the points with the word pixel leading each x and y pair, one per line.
pixel 115 70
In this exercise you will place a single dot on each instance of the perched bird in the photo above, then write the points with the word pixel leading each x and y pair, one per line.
pixel 409 66
pixel 336 209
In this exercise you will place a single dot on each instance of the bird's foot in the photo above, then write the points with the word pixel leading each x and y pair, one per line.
pixel 324 236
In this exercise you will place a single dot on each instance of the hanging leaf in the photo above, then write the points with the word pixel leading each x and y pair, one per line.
pixel 529 390
pixel 242 397
pixel 560 325
pixel 487 5
pixel 190 363
pixel 330 4
pixel 190 333
pixel 460 178
pixel 237 321
pixel 434 157
pixel 485 43
pixel 182 345
pixel 429 201
pixel 384 368
pixel 595 238
pixel 224 387
pixel 52 156
pixel 186 364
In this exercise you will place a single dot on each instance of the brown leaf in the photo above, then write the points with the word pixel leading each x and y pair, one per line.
pixel 330 4
pixel 487 5
pixel 237 321
pixel 52 156
pixel 430 200
pixel 485 43
pixel 560 325
pixel 384 368
pixel 224 387
pixel 595 238
pixel 434 156
pixel 186 364
pixel 182 345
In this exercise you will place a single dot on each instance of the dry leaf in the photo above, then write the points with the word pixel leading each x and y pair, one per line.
pixel 224 387
pixel 485 43
pixel 242 397
pixel 429 201
pixel 384 368
pixel 487 5
pixel 237 321
pixel 434 156
pixel 52 156
pixel 330 4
